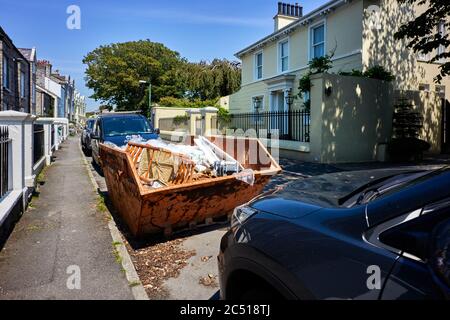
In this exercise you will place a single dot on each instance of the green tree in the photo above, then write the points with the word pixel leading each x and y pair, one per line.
pixel 206 81
pixel 423 33
pixel 114 71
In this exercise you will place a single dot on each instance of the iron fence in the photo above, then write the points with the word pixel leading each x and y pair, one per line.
pixel 4 160
pixel 38 143
pixel 290 125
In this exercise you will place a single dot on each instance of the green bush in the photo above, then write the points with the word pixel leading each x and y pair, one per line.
pixel 180 119
pixel 379 73
pixel 224 115
pixel 376 72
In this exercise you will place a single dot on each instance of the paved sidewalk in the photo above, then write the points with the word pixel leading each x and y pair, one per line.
pixel 62 229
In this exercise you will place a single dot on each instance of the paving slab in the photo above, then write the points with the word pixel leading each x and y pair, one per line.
pixel 63 232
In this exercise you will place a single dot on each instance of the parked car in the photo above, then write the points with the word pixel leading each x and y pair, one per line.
pixel 328 237
pixel 119 129
pixel 86 135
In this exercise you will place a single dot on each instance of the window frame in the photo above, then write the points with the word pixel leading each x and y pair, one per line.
pixel 256 66
pixel 281 58
pixel 322 23
pixel 440 89
pixel 6 67
pixel 22 84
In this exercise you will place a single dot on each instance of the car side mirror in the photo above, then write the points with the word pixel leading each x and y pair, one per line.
pixel 157 131
pixel 94 136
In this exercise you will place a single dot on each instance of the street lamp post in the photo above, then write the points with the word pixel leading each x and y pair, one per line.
pixel 289 101
pixel 257 105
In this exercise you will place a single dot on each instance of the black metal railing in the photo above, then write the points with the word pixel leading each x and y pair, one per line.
pixel 4 160
pixel 38 143
pixel 289 125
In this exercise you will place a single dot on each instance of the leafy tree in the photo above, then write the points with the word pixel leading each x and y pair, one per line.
pixel 213 80
pixel 423 33
pixel 114 72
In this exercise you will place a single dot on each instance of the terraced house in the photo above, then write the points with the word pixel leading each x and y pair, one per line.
pixel 15 84
pixel 358 34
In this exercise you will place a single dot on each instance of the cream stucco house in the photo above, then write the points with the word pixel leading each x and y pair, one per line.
pixel 359 32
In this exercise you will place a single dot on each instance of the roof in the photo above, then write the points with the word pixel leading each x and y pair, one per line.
pixel 4 37
pixel 303 21
pixel 29 54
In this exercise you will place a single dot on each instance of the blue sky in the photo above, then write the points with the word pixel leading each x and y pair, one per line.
pixel 198 30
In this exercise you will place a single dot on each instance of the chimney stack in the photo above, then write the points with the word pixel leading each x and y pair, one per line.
pixel 290 10
pixel 287 13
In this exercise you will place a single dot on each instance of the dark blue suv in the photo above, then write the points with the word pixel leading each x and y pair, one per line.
pixel 118 129
pixel 335 237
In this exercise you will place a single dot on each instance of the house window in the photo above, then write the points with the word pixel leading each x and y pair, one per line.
pixel 22 84
pixel 284 56
pixel 5 72
pixel 440 90
pixel 318 41
pixel 259 66
pixel 424 87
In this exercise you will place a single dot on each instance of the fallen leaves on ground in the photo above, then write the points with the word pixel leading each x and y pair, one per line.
pixel 209 281
pixel 159 262
pixel 206 258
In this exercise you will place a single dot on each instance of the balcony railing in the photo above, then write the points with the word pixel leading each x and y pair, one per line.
pixel 4 160
pixel 289 125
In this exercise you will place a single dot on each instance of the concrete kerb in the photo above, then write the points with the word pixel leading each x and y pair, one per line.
pixel 136 286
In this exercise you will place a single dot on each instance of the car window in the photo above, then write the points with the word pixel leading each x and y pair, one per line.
pixel 90 124
pixel 121 126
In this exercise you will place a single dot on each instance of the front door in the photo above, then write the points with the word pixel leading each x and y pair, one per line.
pixel 279 117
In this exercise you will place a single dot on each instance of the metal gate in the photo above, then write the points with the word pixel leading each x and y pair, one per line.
pixel 445 126
pixel 199 127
